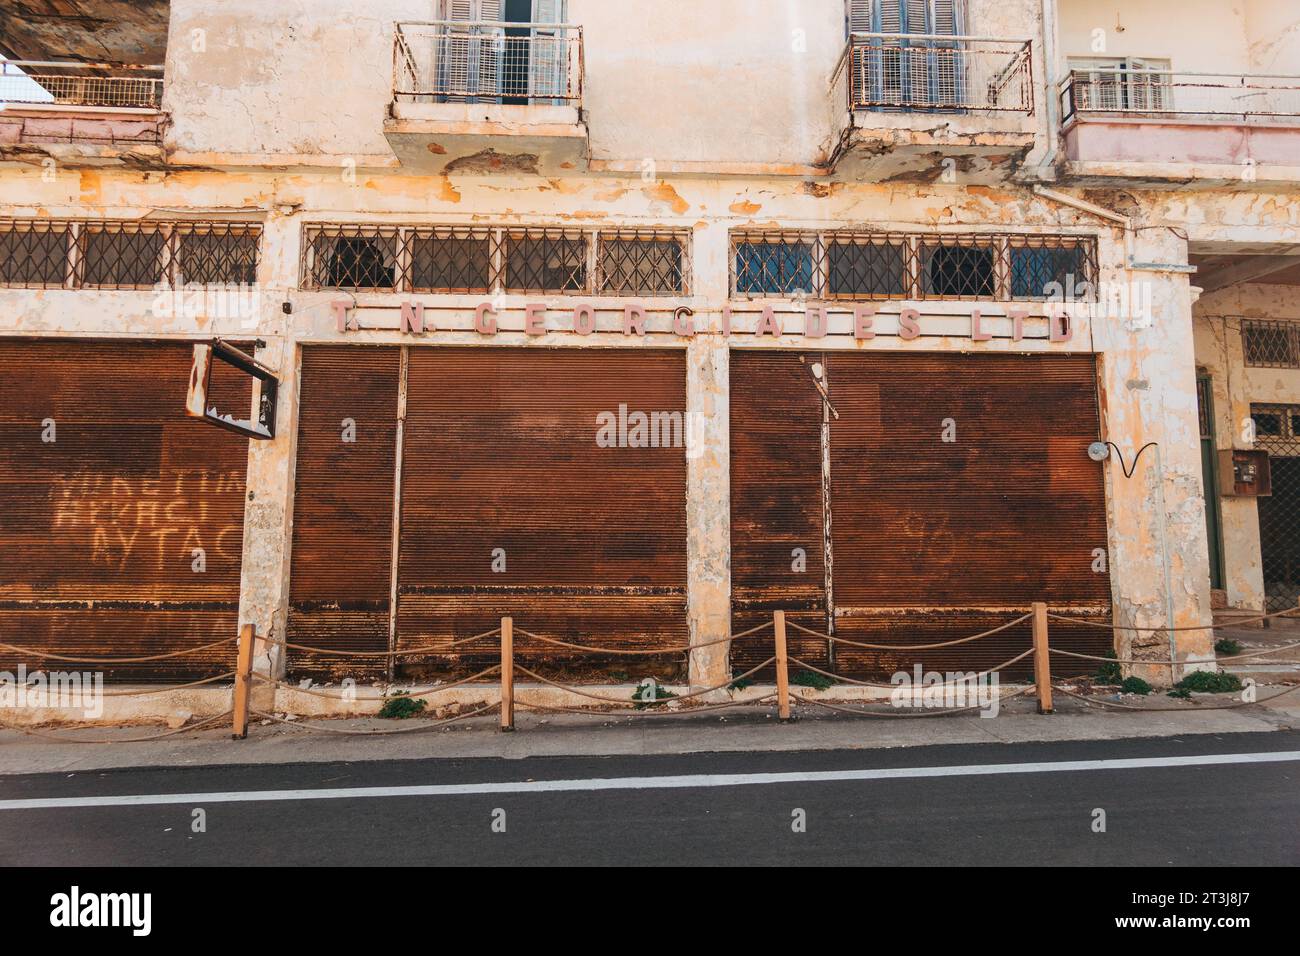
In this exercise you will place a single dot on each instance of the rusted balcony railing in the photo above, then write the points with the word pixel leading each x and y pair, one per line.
pixel 938 73
pixel 92 85
pixel 488 61
pixel 1168 93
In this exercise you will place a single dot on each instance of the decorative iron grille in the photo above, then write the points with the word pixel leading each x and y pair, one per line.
pixel 861 265
pixel 1277 430
pixel 1271 343
pixel 120 254
pixel 484 260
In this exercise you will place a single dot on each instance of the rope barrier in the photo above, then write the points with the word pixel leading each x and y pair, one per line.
pixel 424 693
pixel 120 740
pixel 639 652
pixel 229 675
pixel 1154 663
pixel 909 647
pixel 867 683
pixel 423 728
pixel 116 660
pixel 642 703
pixel 1150 630
pixel 697 709
pixel 911 713
pixel 1116 704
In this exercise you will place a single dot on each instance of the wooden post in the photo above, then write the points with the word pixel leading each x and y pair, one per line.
pixel 507 674
pixel 782 667
pixel 1042 662
pixel 243 681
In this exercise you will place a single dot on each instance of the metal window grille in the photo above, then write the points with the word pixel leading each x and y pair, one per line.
pixel 1271 343
pixel 1277 430
pixel 482 260
pixel 122 254
pixel 844 264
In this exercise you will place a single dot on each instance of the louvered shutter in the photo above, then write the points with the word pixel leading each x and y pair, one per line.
pixel 550 55
pixel 860 16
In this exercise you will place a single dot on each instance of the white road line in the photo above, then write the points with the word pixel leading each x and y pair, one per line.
pixel 684 781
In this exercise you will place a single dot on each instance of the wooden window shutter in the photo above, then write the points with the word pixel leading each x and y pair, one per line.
pixel 860 20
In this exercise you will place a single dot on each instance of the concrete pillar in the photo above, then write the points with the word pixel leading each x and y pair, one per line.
pixel 1158 557
pixel 268 508
pixel 708 507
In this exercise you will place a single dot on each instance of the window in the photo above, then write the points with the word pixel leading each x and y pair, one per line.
pixel 447 262
pixel 643 264
pixel 1046 271
pixel 1112 83
pixel 218 255
pixel 867 269
pixel 122 256
pixel 546 261
pixel 953 271
pixel 774 267
pixel 1270 343
pixel 1267 424
pixel 34 255
pixel 859 265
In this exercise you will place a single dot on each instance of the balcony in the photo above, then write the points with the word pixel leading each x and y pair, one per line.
pixel 87 113
pixel 921 105
pixel 1166 128
pixel 487 96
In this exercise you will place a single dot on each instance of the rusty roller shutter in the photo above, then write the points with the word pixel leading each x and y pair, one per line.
pixel 930 540
pixel 501 463
pixel 776 496
pixel 99 527
pixel 932 536
pixel 343 507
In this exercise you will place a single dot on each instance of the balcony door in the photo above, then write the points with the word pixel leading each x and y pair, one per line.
pixel 922 73
pixel 489 60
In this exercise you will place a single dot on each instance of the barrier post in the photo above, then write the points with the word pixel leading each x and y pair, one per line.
pixel 507 674
pixel 1042 663
pixel 243 682
pixel 782 667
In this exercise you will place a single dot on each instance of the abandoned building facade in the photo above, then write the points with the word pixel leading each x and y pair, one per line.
pixel 640 321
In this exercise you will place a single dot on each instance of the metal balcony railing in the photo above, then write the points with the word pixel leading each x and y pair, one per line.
pixel 488 61
pixel 94 85
pixel 937 73
pixel 1168 93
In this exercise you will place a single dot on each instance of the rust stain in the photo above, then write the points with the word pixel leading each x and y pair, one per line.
pixel 743 207
pixel 663 192
pixel 611 195
pixel 446 191
pixel 565 187
pixel 436 149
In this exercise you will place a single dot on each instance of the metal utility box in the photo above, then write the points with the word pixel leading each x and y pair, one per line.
pixel 1245 473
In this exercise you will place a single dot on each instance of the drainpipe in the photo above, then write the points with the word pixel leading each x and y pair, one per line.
pixel 1052 102
pixel 1065 199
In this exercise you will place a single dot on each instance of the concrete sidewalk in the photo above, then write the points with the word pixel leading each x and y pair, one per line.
pixel 740 730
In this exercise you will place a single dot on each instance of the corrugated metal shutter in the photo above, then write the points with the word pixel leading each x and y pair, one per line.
pixel 776 501
pixel 932 539
pixel 343 506
pixel 501 453
pixel 98 529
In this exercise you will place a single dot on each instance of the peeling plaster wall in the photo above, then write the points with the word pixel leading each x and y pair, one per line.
pixel 1236 387
pixel 1273 35
pixel 722 82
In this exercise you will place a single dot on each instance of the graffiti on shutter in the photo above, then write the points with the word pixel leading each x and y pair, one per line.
pixel 121 520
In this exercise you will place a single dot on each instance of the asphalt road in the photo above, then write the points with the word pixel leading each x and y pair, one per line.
pixel 1004 805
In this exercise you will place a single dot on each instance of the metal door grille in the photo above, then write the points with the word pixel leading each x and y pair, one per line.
pixel 1277 429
